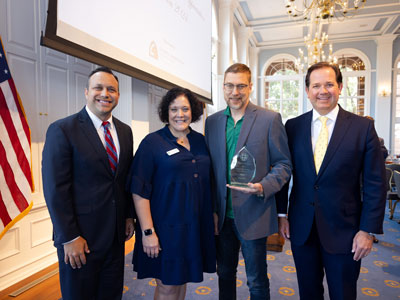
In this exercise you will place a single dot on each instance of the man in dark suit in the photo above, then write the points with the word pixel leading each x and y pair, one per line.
pixel 245 216
pixel 84 168
pixel 331 218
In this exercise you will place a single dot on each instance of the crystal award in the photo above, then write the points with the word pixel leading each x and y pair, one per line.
pixel 243 168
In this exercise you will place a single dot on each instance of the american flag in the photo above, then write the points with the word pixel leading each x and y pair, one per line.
pixel 16 182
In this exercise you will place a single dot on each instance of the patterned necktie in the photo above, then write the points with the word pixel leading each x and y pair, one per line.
pixel 110 147
pixel 321 144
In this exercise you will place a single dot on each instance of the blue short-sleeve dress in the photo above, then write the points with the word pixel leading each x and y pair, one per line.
pixel 177 183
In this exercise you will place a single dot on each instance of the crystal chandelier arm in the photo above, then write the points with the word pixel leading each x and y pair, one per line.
pixel 325 9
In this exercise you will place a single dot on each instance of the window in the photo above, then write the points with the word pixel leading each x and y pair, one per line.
pixel 353 93
pixel 234 48
pixel 396 113
pixel 282 86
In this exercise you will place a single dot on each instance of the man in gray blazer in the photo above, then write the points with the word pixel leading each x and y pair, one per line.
pixel 245 216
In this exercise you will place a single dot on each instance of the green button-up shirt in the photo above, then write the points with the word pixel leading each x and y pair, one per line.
pixel 232 135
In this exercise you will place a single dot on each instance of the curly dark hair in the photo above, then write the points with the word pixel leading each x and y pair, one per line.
pixel 196 106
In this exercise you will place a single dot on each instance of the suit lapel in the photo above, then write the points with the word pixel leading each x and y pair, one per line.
pixel 122 144
pixel 307 145
pixel 221 137
pixel 248 121
pixel 341 125
pixel 93 137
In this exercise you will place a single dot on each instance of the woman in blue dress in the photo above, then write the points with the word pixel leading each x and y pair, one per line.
pixel 170 185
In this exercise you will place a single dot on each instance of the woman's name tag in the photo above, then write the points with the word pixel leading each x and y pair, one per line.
pixel 173 151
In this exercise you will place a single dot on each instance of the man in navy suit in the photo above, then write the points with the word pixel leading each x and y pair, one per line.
pixel 92 214
pixel 331 218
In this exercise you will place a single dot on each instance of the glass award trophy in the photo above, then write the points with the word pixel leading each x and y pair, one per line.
pixel 243 168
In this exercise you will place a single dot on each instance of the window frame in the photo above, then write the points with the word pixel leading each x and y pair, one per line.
pixel 367 92
pixel 350 52
pixel 394 95
pixel 300 77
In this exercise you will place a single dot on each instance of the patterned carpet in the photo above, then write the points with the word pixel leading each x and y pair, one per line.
pixel 379 278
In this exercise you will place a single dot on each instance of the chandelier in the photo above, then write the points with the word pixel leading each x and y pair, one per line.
pixel 315 51
pixel 323 9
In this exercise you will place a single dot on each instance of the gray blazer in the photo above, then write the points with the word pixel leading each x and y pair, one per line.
pixel 264 136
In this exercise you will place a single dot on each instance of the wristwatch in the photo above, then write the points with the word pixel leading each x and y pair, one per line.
pixel 148 232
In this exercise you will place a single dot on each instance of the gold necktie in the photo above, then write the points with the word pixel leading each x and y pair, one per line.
pixel 321 144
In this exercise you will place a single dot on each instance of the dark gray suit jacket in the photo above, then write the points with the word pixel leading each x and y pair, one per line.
pixel 264 136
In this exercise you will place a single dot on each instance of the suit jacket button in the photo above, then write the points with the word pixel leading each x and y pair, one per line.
pixel 316 187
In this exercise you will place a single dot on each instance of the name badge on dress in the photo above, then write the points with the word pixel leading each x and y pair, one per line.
pixel 173 151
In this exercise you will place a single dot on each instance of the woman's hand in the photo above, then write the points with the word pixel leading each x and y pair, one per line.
pixel 151 245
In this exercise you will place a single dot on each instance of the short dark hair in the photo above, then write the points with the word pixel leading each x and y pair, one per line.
pixel 324 64
pixel 102 69
pixel 196 106
pixel 238 68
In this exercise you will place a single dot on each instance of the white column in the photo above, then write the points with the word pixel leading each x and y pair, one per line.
pixel 225 31
pixel 253 64
pixel 243 44
pixel 383 81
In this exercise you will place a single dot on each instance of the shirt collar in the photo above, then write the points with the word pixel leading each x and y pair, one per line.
pixel 96 121
pixel 332 115
pixel 227 112
pixel 169 135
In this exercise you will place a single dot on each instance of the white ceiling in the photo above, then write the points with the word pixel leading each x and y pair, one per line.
pixel 272 28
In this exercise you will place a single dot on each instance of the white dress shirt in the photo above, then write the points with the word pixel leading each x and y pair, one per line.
pixel 100 129
pixel 316 124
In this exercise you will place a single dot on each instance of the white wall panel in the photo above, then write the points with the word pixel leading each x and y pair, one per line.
pixel 27 248
pixel 10 243
pixel 55 54
pixel 79 90
pixel 80 62
pixel 56 92
pixel 25 74
pixel 26 12
pixel 41 229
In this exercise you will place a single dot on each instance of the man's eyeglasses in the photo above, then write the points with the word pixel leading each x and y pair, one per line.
pixel 229 87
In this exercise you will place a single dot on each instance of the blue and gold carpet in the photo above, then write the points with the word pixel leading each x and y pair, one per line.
pixel 379 278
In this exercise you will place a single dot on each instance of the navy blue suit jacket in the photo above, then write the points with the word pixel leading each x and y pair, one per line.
pixel 82 195
pixel 347 195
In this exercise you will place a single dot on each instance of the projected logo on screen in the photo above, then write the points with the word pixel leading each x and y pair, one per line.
pixel 153 52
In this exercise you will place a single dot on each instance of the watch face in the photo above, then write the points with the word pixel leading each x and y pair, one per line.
pixel 148 232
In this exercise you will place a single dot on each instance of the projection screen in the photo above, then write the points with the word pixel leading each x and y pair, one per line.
pixel 164 42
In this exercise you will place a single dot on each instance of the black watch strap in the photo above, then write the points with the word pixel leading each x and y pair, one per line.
pixel 148 232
